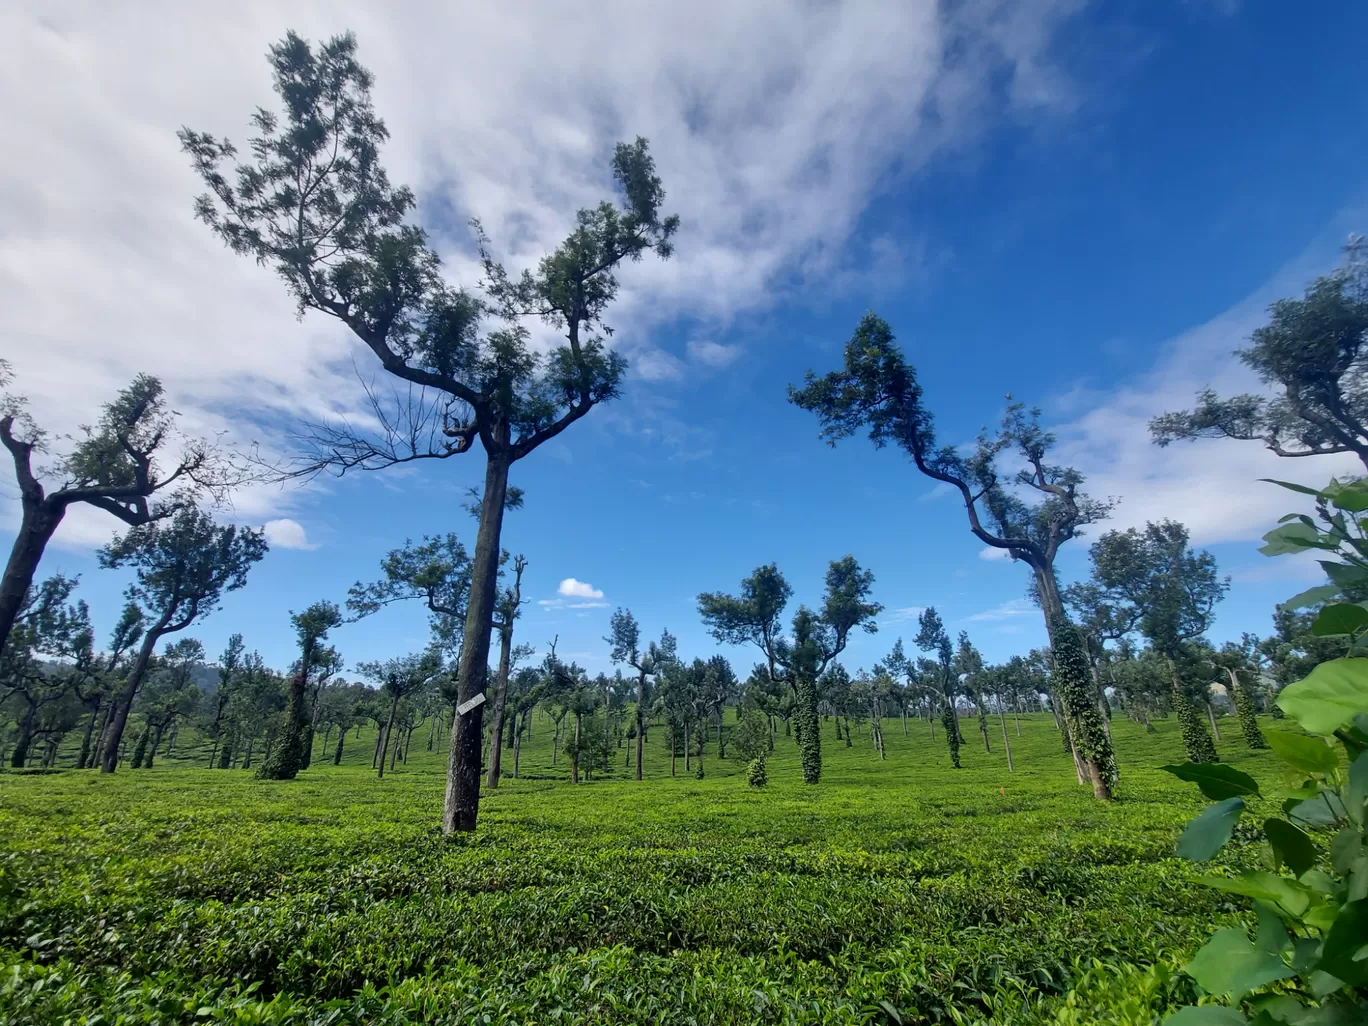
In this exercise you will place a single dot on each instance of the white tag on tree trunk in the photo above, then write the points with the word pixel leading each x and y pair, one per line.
pixel 468 704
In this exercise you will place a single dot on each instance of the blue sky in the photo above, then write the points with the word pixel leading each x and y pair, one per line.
pixel 1087 206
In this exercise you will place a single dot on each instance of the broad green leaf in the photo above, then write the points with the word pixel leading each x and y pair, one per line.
pixel 1300 518
pixel 1352 498
pixel 1339 618
pixel 1346 575
pixel 1354 737
pixel 1324 810
pixel 1308 754
pixel 1292 538
pixel 1345 848
pixel 1272 936
pixel 1208 833
pixel 1357 791
pixel 1329 696
pixel 1291 847
pixel 1229 964
pixel 1291 486
pixel 1342 942
pixel 1206 1015
pixel 1257 883
pixel 1311 597
pixel 1216 780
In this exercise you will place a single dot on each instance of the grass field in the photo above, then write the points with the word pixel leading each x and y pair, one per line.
pixel 895 892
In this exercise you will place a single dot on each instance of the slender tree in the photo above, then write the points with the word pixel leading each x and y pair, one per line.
pixel 171 693
pixel 182 566
pixel 625 639
pixel 753 617
pixel 1073 682
pixel 317 206
pixel 228 665
pixel 46 625
pixel 1314 352
pixel 932 637
pixel 508 610
pixel 311 628
pixel 1237 663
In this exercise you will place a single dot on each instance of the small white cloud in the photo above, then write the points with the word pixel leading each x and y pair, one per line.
pixel 905 614
pixel 991 552
pixel 563 604
pixel 287 534
pixel 1008 609
pixel 713 354
pixel 572 588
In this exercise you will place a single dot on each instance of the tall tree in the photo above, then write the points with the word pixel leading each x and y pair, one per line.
pixel 1314 352
pixel 1074 684
pixel 1239 664
pixel 932 637
pixel 968 667
pixel 1173 590
pixel 228 665
pixel 625 639
pixel 116 465
pixel 317 206
pixel 311 628
pixel 877 389
pixel 183 566
pixel 508 610
pixel 818 637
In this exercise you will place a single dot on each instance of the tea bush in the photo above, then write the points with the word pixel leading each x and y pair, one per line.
pixel 897 891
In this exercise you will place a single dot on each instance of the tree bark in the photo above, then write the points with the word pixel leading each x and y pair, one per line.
pixel 640 722
pixel 385 735
pixel 337 756
pixel 125 700
pixel 1002 718
pixel 36 527
pixel 461 804
pixel 83 759
pixel 496 727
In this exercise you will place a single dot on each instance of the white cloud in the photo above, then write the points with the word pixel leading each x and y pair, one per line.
pixel 657 365
pixel 1010 609
pixel 1212 486
pixel 564 604
pixel 572 588
pixel 992 552
pixel 713 354
pixel 772 123
pixel 904 614
pixel 287 534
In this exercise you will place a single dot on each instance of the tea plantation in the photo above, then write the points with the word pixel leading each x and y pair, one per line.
pixel 896 891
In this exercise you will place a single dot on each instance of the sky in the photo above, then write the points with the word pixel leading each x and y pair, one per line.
pixel 1085 206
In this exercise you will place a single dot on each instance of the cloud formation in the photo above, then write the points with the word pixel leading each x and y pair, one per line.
pixel 285 533
pixel 773 124
pixel 572 588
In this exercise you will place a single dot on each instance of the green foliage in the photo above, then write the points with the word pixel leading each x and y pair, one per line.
pixel 756 775
pixel 889 887
pixel 1074 684
pixel 1313 927
pixel 1312 350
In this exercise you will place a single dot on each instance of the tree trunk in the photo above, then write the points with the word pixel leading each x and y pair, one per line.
pixel 687 753
pixel 385 735
pixel 575 752
pixel 1002 718
pixel 247 755
pixel 461 805
pixel 97 753
pixel 36 527
pixel 1211 718
pixel 517 746
pixel 337 756
pixel 19 756
pixel 432 732
pixel 496 728
pixel 83 759
pixel 640 722
pixel 125 700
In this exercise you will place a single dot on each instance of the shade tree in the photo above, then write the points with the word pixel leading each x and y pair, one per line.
pixel 932 637
pixel 182 568
pixel 815 638
pixel 171 694
pixel 625 638
pixel 508 610
pixel 400 678
pixel 132 463
pixel 1173 590
pixel 311 630
pixel 316 205
pixel 1313 353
